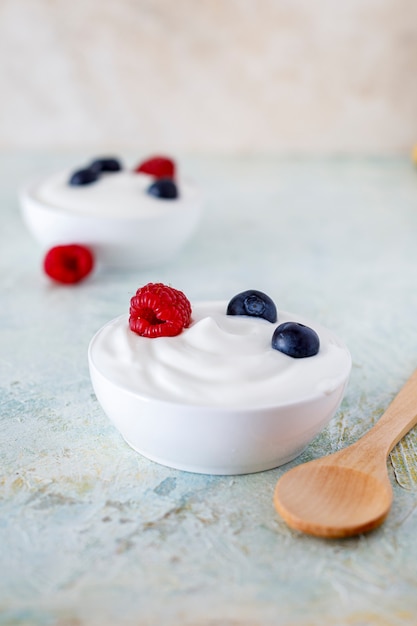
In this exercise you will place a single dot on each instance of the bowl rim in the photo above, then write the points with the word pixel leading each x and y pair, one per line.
pixel 342 379
pixel 26 196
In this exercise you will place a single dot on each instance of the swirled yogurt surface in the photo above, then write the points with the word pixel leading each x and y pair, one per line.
pixel 220 361
pixel 115 194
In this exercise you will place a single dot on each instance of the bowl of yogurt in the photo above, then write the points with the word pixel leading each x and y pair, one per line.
pixel 136 216
pixel 217 398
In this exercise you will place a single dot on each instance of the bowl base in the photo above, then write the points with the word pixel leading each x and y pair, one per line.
pixel 218 470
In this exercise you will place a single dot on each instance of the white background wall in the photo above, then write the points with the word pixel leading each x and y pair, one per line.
pixel 209 76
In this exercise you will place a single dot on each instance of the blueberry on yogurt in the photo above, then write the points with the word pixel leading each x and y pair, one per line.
pixel 106 164
pixel 163 188
pixel 253 303
pixel 296 340
pixel 83 177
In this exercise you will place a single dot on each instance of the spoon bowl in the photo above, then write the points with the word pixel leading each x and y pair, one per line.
pixel 348 492
pixel 313 491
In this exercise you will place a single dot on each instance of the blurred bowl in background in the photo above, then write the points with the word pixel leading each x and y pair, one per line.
pixel 122 224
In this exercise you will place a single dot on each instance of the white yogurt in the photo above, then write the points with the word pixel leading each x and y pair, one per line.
pixel 121 194
pixel 219 361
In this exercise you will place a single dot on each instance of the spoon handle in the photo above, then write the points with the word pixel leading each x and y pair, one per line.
pixel 398 419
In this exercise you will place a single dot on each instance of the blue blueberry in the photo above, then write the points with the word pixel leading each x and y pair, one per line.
pixel 253 303
pixel 83 177
pixel 164 188
pixel 296 340
pixel 107 164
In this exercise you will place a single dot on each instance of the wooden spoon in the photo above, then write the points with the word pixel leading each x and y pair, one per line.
pixel 348 492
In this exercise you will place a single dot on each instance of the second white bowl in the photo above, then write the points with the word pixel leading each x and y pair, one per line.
pixel 117 238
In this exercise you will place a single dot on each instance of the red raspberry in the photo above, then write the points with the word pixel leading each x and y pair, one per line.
pixel 157 310
pixel 68 264
pixel 158 166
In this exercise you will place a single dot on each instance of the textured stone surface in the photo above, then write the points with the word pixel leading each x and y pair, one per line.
pixel 210 76
pixel 92 534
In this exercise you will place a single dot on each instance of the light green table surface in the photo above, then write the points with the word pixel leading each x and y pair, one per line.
pixel 93 534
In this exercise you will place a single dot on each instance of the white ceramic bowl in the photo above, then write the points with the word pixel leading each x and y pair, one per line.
pixel 215 440
pixel 115 238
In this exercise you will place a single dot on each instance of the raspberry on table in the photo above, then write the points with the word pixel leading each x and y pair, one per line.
pixel 157 310
pixel 158 166
pixel 68 264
